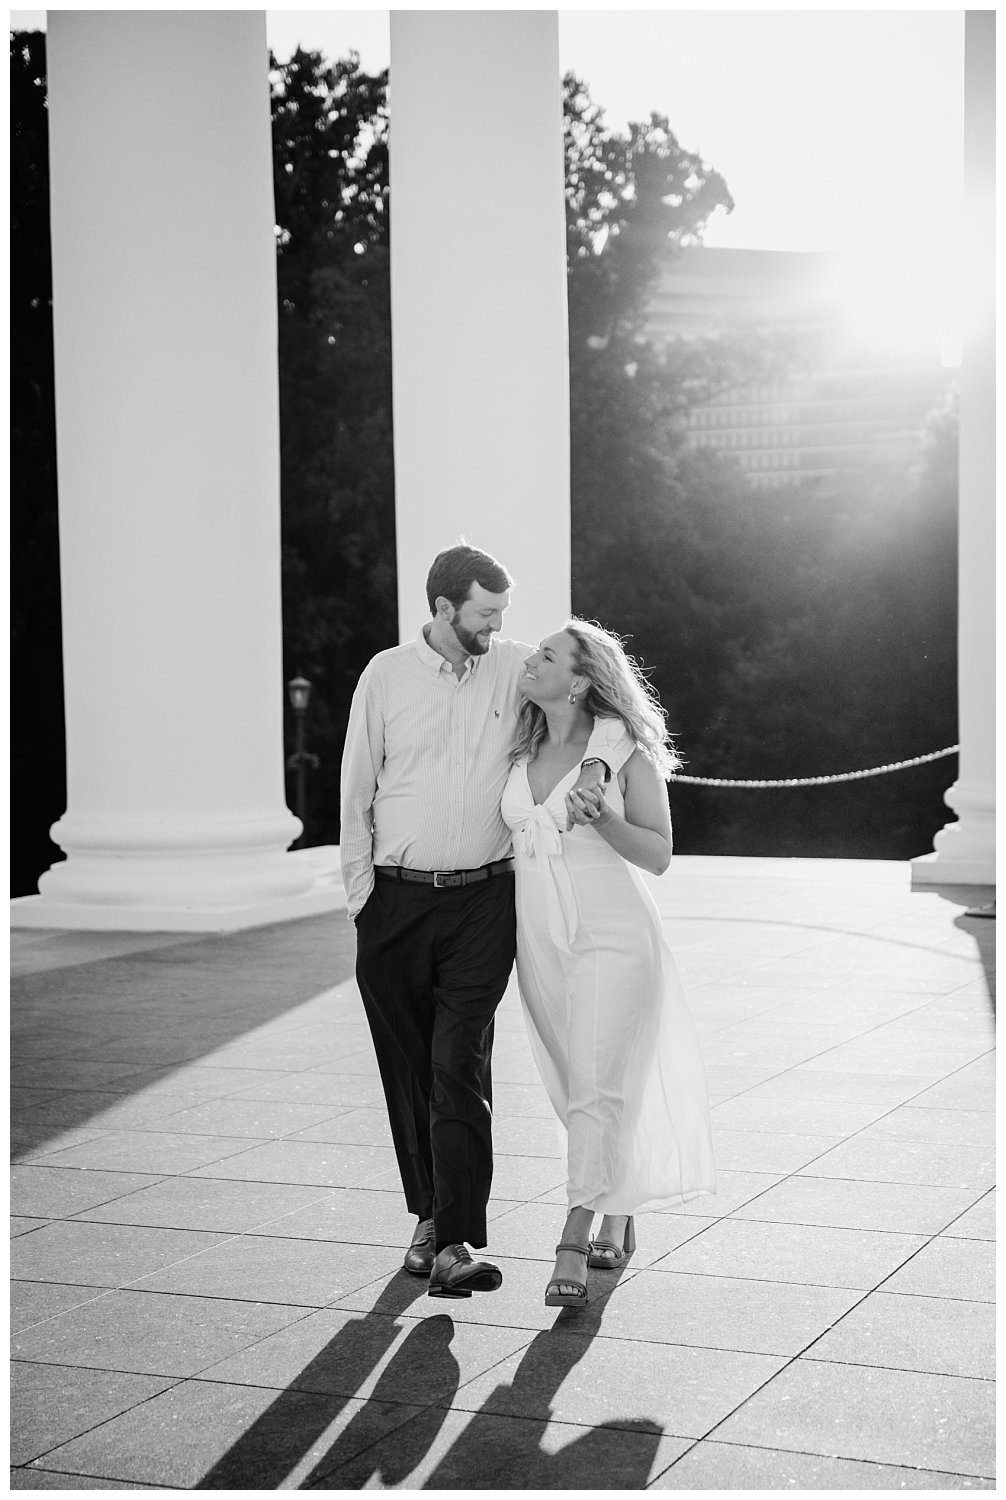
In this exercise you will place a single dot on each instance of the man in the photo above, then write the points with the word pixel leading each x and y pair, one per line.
pixel 426 861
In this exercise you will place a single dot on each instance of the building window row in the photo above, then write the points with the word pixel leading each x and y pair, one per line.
pixel 836 435
pixel 891 410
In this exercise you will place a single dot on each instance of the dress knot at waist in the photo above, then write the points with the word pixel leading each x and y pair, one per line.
pixel 539 838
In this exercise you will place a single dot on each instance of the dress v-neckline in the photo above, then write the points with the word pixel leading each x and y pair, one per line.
pixel 545 800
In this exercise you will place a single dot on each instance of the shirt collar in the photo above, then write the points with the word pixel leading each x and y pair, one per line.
pixel 434 662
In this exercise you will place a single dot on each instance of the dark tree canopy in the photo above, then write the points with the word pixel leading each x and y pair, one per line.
pixel 330 162
pixel 632 200
pixel 38 774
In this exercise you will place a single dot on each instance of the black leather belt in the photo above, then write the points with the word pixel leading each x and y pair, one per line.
pixel 440 879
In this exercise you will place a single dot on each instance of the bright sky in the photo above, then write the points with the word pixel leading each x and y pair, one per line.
pixel 836 130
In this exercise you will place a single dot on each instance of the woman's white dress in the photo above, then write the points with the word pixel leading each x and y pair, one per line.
pixel 606 1015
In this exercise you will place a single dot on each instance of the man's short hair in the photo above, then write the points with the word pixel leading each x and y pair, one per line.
pixel 455 570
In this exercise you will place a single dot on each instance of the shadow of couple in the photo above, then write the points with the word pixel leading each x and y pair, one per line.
pixel 392 1431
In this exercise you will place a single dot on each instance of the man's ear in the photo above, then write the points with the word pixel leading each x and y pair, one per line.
pixel 445 609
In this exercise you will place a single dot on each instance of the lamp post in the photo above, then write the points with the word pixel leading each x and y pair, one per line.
pixel 299 690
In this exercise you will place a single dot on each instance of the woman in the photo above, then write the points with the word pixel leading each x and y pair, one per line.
pixel 606 1016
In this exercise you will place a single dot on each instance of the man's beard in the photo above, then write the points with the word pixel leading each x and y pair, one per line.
pixel 468 639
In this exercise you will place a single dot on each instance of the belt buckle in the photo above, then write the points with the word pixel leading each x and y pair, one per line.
pixel 440 878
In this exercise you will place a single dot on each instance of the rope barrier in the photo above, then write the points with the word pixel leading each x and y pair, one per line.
pixel 899 765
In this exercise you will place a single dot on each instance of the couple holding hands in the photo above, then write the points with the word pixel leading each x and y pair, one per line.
pixel 500 800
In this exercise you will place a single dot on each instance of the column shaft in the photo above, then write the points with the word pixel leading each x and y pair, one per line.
pixel 965 849
pixel 168 462
pixel 481 388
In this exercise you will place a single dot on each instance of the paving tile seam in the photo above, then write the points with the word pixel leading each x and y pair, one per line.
pixel 867 1029
pixel 879 1463
pixel 172 1382
pixel 136 1284
pixel 146 1128
pixel 74 1474
pixel 950 1187
pixel 621 1424
pixel 805 1353
pixel 868 933
pixel 306 1308
pixel 112 1478
pixel 959 1109
pixel 856 1364
pixel 935 1296
pixel 987 1194
pixel 247 1144
pixel 43 1224
pixel 750 1088
pixel 158 1178
pixel 36 1156
pixel 821 1286
pixel 929 1374
pixel 84 1088
pixel 566 1330
pixel 200 1174
pixel 692 1445
pixel 790 1360
pixel 258 1230
pixel 138 1289
pixel 28 1327
pixel 201 1372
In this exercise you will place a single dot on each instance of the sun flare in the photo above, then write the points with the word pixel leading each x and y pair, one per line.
pixel 904 307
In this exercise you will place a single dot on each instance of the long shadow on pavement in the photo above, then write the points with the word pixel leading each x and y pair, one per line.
pixel 87 1035
pixel 982 930
pixel 265 1455
pixel 502 1444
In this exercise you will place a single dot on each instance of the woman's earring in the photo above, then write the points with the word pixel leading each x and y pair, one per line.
pixel 572 697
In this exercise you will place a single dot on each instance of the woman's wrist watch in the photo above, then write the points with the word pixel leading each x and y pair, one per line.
pixel 595 760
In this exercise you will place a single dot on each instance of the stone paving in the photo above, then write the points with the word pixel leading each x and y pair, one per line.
pixel 208 1225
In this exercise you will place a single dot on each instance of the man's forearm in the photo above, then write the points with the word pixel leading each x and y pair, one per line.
pixel 356 859
pixel 608 748
pixel 361 761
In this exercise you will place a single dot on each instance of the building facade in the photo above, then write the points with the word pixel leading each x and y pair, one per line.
pixel 839 406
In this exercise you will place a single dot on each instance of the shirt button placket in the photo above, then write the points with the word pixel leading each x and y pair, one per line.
pixel 456 810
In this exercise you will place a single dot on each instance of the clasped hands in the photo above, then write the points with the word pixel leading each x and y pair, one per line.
pixel 587 807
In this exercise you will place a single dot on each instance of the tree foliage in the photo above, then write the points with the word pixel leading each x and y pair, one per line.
pixel 632 199
pixel 38 773
pixel 789 633
pixel 330 162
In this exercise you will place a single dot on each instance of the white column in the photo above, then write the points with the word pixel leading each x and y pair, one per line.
pixel 965 849
pixel 168 462
pixel 478 279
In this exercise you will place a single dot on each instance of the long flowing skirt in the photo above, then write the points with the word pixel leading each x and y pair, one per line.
pixel 610 1029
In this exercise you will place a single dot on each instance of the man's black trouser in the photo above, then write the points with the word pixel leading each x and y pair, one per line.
pixel 432 965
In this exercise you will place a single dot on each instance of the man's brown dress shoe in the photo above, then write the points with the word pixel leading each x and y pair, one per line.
pixel 455 1274
pixel 421 1253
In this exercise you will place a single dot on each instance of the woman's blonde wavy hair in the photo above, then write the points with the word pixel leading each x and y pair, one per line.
pixel 618 689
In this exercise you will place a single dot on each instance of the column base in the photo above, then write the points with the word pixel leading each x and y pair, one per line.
pixel 935 869
pixel 964 851
pixel 322 891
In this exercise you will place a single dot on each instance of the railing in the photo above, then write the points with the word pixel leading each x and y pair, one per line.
pixel 789 781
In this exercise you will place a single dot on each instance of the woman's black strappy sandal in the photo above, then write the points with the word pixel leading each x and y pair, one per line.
pixel 554 1297
pixel 605 1255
